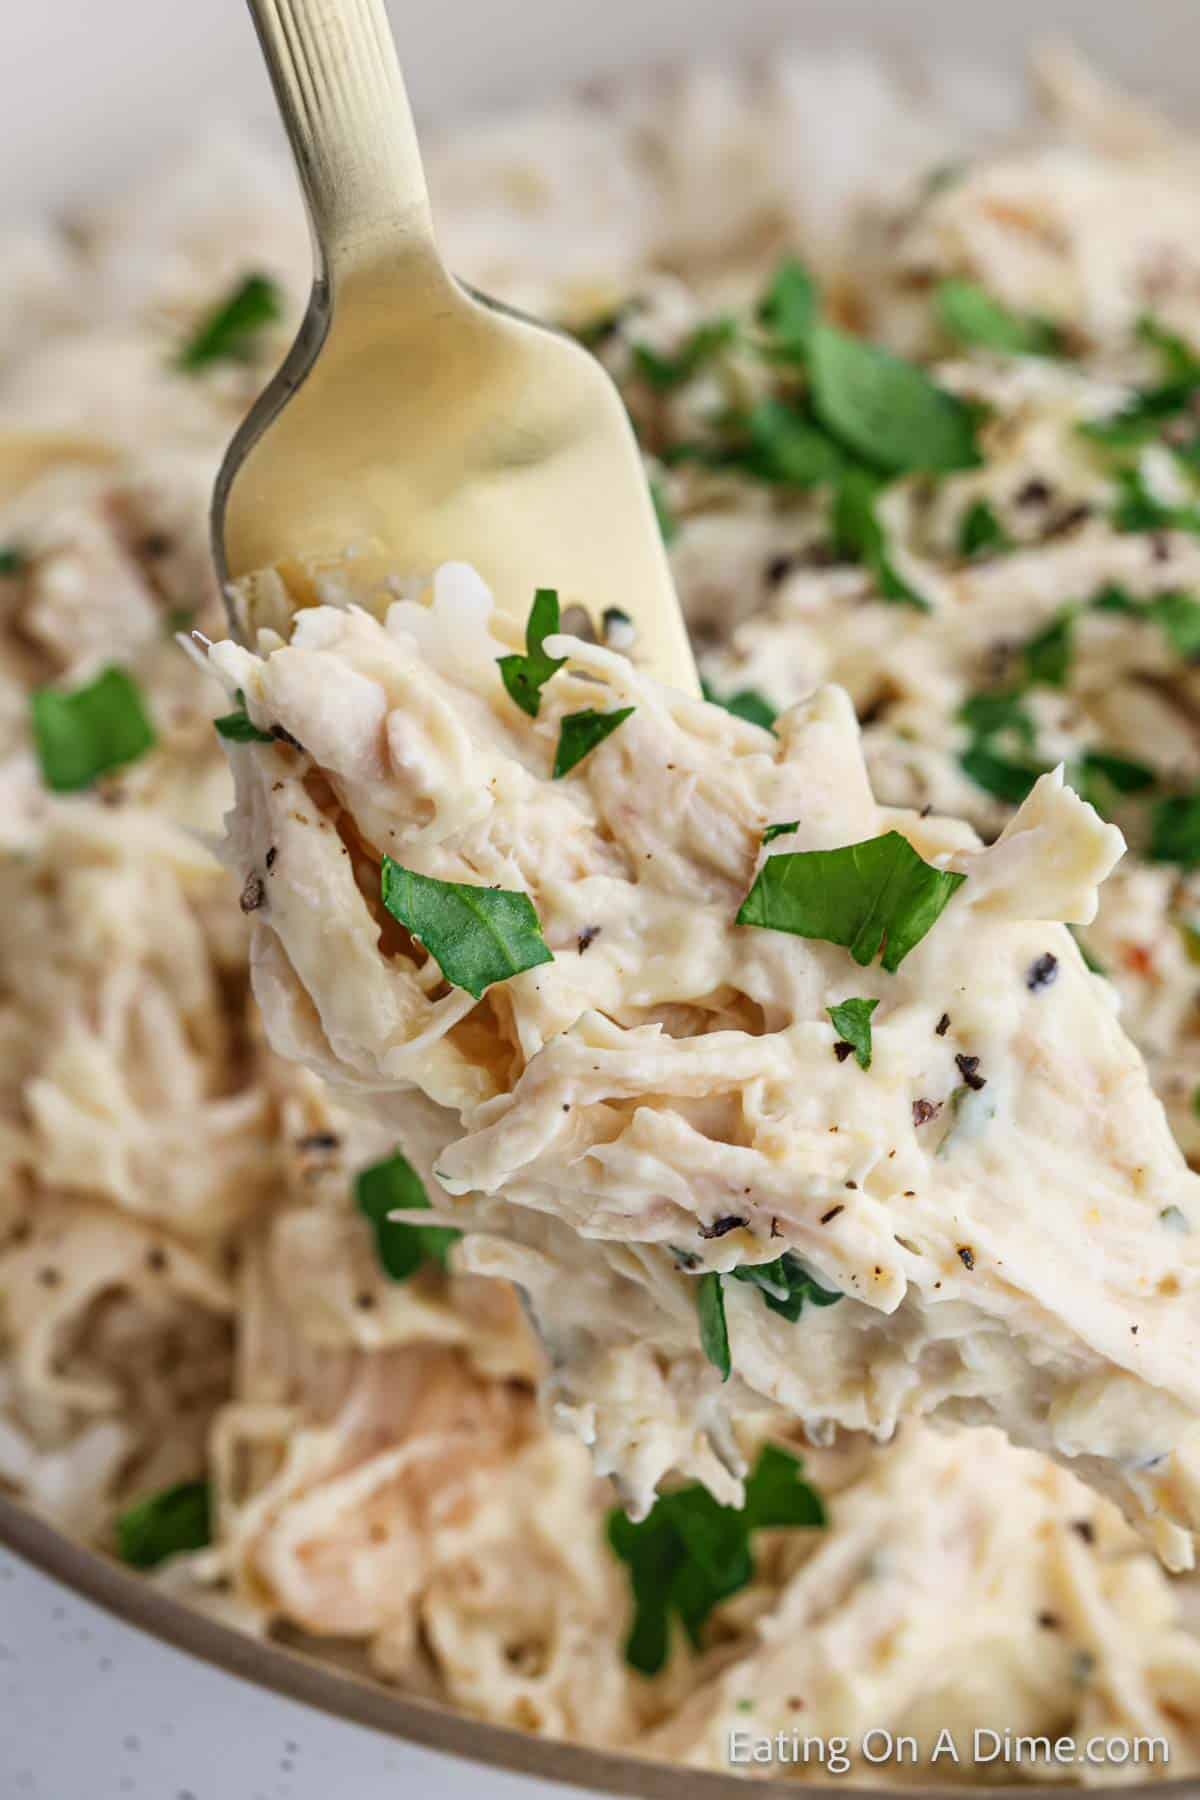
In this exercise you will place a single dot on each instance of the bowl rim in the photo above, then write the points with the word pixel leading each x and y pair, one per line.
pixel 297 1675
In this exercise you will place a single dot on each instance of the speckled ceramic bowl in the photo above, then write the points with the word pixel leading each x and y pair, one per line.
pixel 86 89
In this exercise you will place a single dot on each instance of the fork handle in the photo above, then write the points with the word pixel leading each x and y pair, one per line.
pixel 341 94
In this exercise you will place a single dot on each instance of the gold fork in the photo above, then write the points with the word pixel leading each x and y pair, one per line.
pixel 411 414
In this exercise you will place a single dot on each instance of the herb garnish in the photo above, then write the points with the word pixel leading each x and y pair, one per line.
pixel 239 727
pixel 852 1021
pixel 476 935
pixel 888 412
pixel 981 533
pixel 178 1518
pixel 859 535
pixel 12 560
pixel 972 315
pixel 873 896
pixel 746 704
pixel 1047 655
pixel 526 676
pixel 689 1553
pixel 84 733
pixel 786 1285
pixel 664 371
pixel 579 734
pixel 1175 831
pixel 394 1186
pixel 788 308
pixel 227 334
pixel 714 1331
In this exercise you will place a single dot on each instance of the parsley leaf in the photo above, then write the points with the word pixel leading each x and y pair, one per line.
pixel 973 316
pixel 476 935
pixel 1047 656
pixel 579 734
pixel 981 533
pixel 887 411
pixel 178 1518
pixel 394 1186
pixel 239 727
pixel 668 524
pixel 1137 509
pixel 859 535
pixel 781 830
pixel 788 308
pixel 526 676
pixel 714 1332
pixel 1175 831
pixel 1179 617
pixel 990 713
pixel 1124 773
pixel 689 1553
pixel 873 896
pixel 83 734
pixel 229 331
pixel 852 1022
pixel 664 371
pixel 746 704
pixel 786 447
pixel 1180 362
pixel 1005 777
pixel 786 1285
pixel 12 560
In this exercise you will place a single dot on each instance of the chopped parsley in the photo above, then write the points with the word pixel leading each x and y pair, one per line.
pixel 664 371
pixel 1176 614
pixel 179 1518
pixel 981 533
pixel 714 1331
pixel 1137 509
pixel 1097 775
pixel 852 1022
pixel 876 896
pixel 525 676
pixel 13 561
pixel 888 412
pixel 785 446
pixel 394 1186
pixel 746 704
pixel 1007 778
pixel 997 710
pixel 973 316
pixel 859 536
pixel 1047 656
pixel 579 734
pixel 84 733
pixel 239 727
pixel 788 309
pixel 476 935
pixel 689 1553
pixel 1175 831
pixel 786 1285
pixel 228 333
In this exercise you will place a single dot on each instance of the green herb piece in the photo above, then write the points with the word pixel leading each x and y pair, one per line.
pixel 668 524
pixel 989 714
pixel 1180 362
pixel 579 734
pixel 870 897
pixel 476 935
pixel 714 1332
pixel 973 316
pixel 788 308
pixel 1121 772
pixel 1137 509
pixel 526 676
pixel 83 734
pixel 785 447
pixel 1047 656
pixel 1114 599
pixel 689 1553
pixel 852 1022
pixel 664 371
pixel 887 411
pixel 1007 778
pixel 981 533
pixel 12 560
pixel 1179 617
pixel 859 535
pixel 786 1286
pixel 777 831
pixel 239 727
pixel 229 331
pixel 394 1186
pixel 746 704
pixel 595 332
pixel 179 1518
pixel 1175 831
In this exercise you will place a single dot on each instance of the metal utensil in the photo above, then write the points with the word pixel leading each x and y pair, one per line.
pixel 411 414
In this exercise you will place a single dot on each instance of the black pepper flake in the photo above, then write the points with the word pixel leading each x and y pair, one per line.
pixel 156 1259
pixel 851 1184
pixel 49 1277
pixel 924 1110
pixel 943 1025
pixel 1071 520
pixel 156 543
pixel 842 1050
pixel 1036 492
pixel 1085 1529
pixel 966 1256
pixel 1043 973
pixel 253 894
pixel 827 1218
pixel 775 1231
pixel 364 1302
pixel 779 568
pixel 1160 547
pixel 587 937
pixel 1049 1621
pixel 319 1140
pixel 968 1067
pixel 719 1227
pixel 283 736
pixel 272 853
